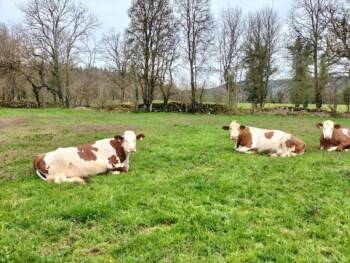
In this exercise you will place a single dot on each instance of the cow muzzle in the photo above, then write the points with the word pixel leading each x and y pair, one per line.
pixel 234 138
pixel 132 150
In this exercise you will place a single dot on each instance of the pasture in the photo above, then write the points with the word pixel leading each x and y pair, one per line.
pixel 187 197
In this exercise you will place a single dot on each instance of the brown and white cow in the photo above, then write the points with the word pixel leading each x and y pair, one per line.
pixel 74 164
pixel 273 142
pixel 333 137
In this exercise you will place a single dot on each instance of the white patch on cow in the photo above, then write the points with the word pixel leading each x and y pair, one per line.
pixel 234 130
pixel 346 132
pixel 332 149
pixel 129 141
pixel 327 129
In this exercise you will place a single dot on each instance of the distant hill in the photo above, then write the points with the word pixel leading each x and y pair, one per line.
pixel 219 94
pixel 277 88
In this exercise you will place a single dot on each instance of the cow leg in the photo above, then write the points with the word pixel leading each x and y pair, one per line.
pixel 74 180
pixel 61 178
pixel 332 149
pixel 245 150
pixel 342 146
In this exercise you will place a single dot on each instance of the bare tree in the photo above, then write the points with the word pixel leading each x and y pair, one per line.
pixel 260 47
pixel 148 34
pixel 196 23
pixel 230 33
pixel 116 55
pixel 338 15
pixel 166 75
pixel 18 58
pixel 10 59
pixel 308 21
pixel 56 27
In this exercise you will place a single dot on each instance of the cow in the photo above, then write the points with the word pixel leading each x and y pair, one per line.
pixel 273 142
pixel 76 164
pixel 333 137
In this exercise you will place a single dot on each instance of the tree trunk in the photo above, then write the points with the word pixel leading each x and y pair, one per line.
pixel 57 84
pixel 232 96
pixel 165 103
pixel 122 96
pixel 318 95
pixel 36 95
pixel 193 89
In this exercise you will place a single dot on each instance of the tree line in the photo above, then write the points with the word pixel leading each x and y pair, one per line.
pixel 53 55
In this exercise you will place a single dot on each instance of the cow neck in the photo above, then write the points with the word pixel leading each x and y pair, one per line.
pixel 245 138
pixel 122 155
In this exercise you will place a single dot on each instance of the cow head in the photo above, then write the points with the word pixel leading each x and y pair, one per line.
pixel 235 129
pixel 328 128
pixel 128 140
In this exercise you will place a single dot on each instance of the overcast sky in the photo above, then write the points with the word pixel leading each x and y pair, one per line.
pixel 113 13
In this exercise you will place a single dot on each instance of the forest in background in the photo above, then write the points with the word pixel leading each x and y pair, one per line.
pixel 172 51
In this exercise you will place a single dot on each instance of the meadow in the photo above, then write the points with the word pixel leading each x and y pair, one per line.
pixel 188 197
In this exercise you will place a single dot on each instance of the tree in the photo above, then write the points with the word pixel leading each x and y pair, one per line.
pixel 10 59
pixel 346 97
pixel 117 56
pixel 308 21
pixel 167 70
pixel 196 23
pixel 229 45
pixel 260 47
pixel 56 27
pixel 18 58
pixel 339 27
pixel 149 32
pixel 301 80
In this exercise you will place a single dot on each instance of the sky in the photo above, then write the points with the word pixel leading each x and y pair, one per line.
pixel 112 14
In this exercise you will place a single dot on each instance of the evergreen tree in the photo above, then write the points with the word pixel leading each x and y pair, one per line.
pixel 301 84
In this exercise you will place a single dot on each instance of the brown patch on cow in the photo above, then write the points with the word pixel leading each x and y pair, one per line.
pixel 297 143
pixel 86 153
pixel 40 165
pixel 245 138
pixel 269 134
pixel 117 145
pixel 113 160
pixel 326 144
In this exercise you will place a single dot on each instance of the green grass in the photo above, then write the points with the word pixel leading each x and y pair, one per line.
pixel 187 198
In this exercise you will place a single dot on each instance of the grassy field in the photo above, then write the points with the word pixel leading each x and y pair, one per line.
pixel 187 198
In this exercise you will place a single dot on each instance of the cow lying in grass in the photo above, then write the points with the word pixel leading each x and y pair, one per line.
pixel 75 164
pixel 272 142
pixel 333 137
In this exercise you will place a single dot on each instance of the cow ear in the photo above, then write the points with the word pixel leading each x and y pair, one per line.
pixel 319 125
pixel 119 138
pixel 226 128
pixel 242 127
pixel 140 137
pixel 337 126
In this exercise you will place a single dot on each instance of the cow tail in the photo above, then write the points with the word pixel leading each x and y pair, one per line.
pixel 40 173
